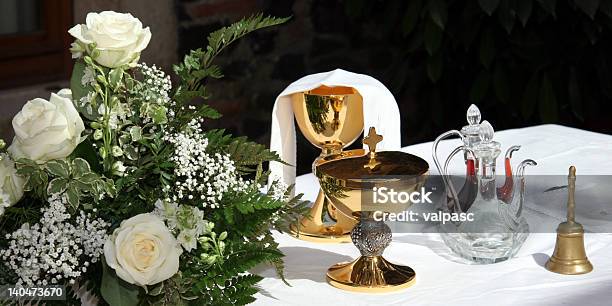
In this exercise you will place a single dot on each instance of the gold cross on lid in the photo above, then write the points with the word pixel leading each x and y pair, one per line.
pixel 372 140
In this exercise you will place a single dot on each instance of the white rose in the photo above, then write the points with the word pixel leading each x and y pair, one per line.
pixel 46 130
pixel 11 184
pixel 143 251
pixel 118 37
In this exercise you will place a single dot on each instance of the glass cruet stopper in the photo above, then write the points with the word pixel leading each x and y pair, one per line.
pixel 473 115
pixel 486 132
pixel 488 149
pixel 471 130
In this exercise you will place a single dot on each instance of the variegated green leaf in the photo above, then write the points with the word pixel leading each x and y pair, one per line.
pixel 80 167
pixel 59 168
pixel 57 185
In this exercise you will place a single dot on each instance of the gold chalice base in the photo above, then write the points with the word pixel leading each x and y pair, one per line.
pixel 311 228
pixel 370 274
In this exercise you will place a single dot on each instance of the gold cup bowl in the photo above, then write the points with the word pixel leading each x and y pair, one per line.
pixel 331 118
pixel 349 185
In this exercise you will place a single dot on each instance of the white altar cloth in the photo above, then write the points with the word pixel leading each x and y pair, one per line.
pixel 442 278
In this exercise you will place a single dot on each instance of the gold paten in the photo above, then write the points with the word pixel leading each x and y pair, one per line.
pixel 331 118
pixel 348 185
pixel 569 256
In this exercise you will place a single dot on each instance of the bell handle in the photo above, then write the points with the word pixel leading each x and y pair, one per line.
pixel 571 190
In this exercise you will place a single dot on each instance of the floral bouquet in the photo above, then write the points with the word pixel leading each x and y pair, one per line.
pixel 115 188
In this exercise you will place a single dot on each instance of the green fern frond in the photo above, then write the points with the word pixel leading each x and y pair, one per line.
pixel 246 256
pixel 217 138
pixel 202 112
pixel 247 154
pixel 197 65
pixel 246 213
pixel 228 282
pixel 293 209
pixel 221 38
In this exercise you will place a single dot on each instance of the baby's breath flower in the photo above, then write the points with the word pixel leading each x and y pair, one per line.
pixel 278 190
pixel 56 248
pixel 155 86
pixel 201 176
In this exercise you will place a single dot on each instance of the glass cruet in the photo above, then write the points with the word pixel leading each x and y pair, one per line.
pixel 498 228
pixel 470 137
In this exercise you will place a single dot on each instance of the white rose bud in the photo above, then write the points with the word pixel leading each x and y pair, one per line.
pixel 143 251
pixel 102 152
pixel 47 130
pixel 97 135
pixel 118 168
pixel 119 38
pixel 11 184
pixel 116 150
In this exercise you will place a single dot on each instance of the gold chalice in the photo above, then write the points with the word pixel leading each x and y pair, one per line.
pixel 331 118
pixel 349 185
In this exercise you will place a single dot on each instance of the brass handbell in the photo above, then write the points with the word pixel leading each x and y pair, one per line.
pixel 569 256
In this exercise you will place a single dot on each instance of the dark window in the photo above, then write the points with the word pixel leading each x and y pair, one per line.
pixel 33 41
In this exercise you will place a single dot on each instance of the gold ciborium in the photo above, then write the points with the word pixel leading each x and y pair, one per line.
pixel 331 118
pixel 349 185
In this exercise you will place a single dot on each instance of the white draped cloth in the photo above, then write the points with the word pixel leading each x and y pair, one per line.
pixel 379 110
pixel 444 279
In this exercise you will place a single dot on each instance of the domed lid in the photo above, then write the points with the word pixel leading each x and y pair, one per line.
pixel 373 168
